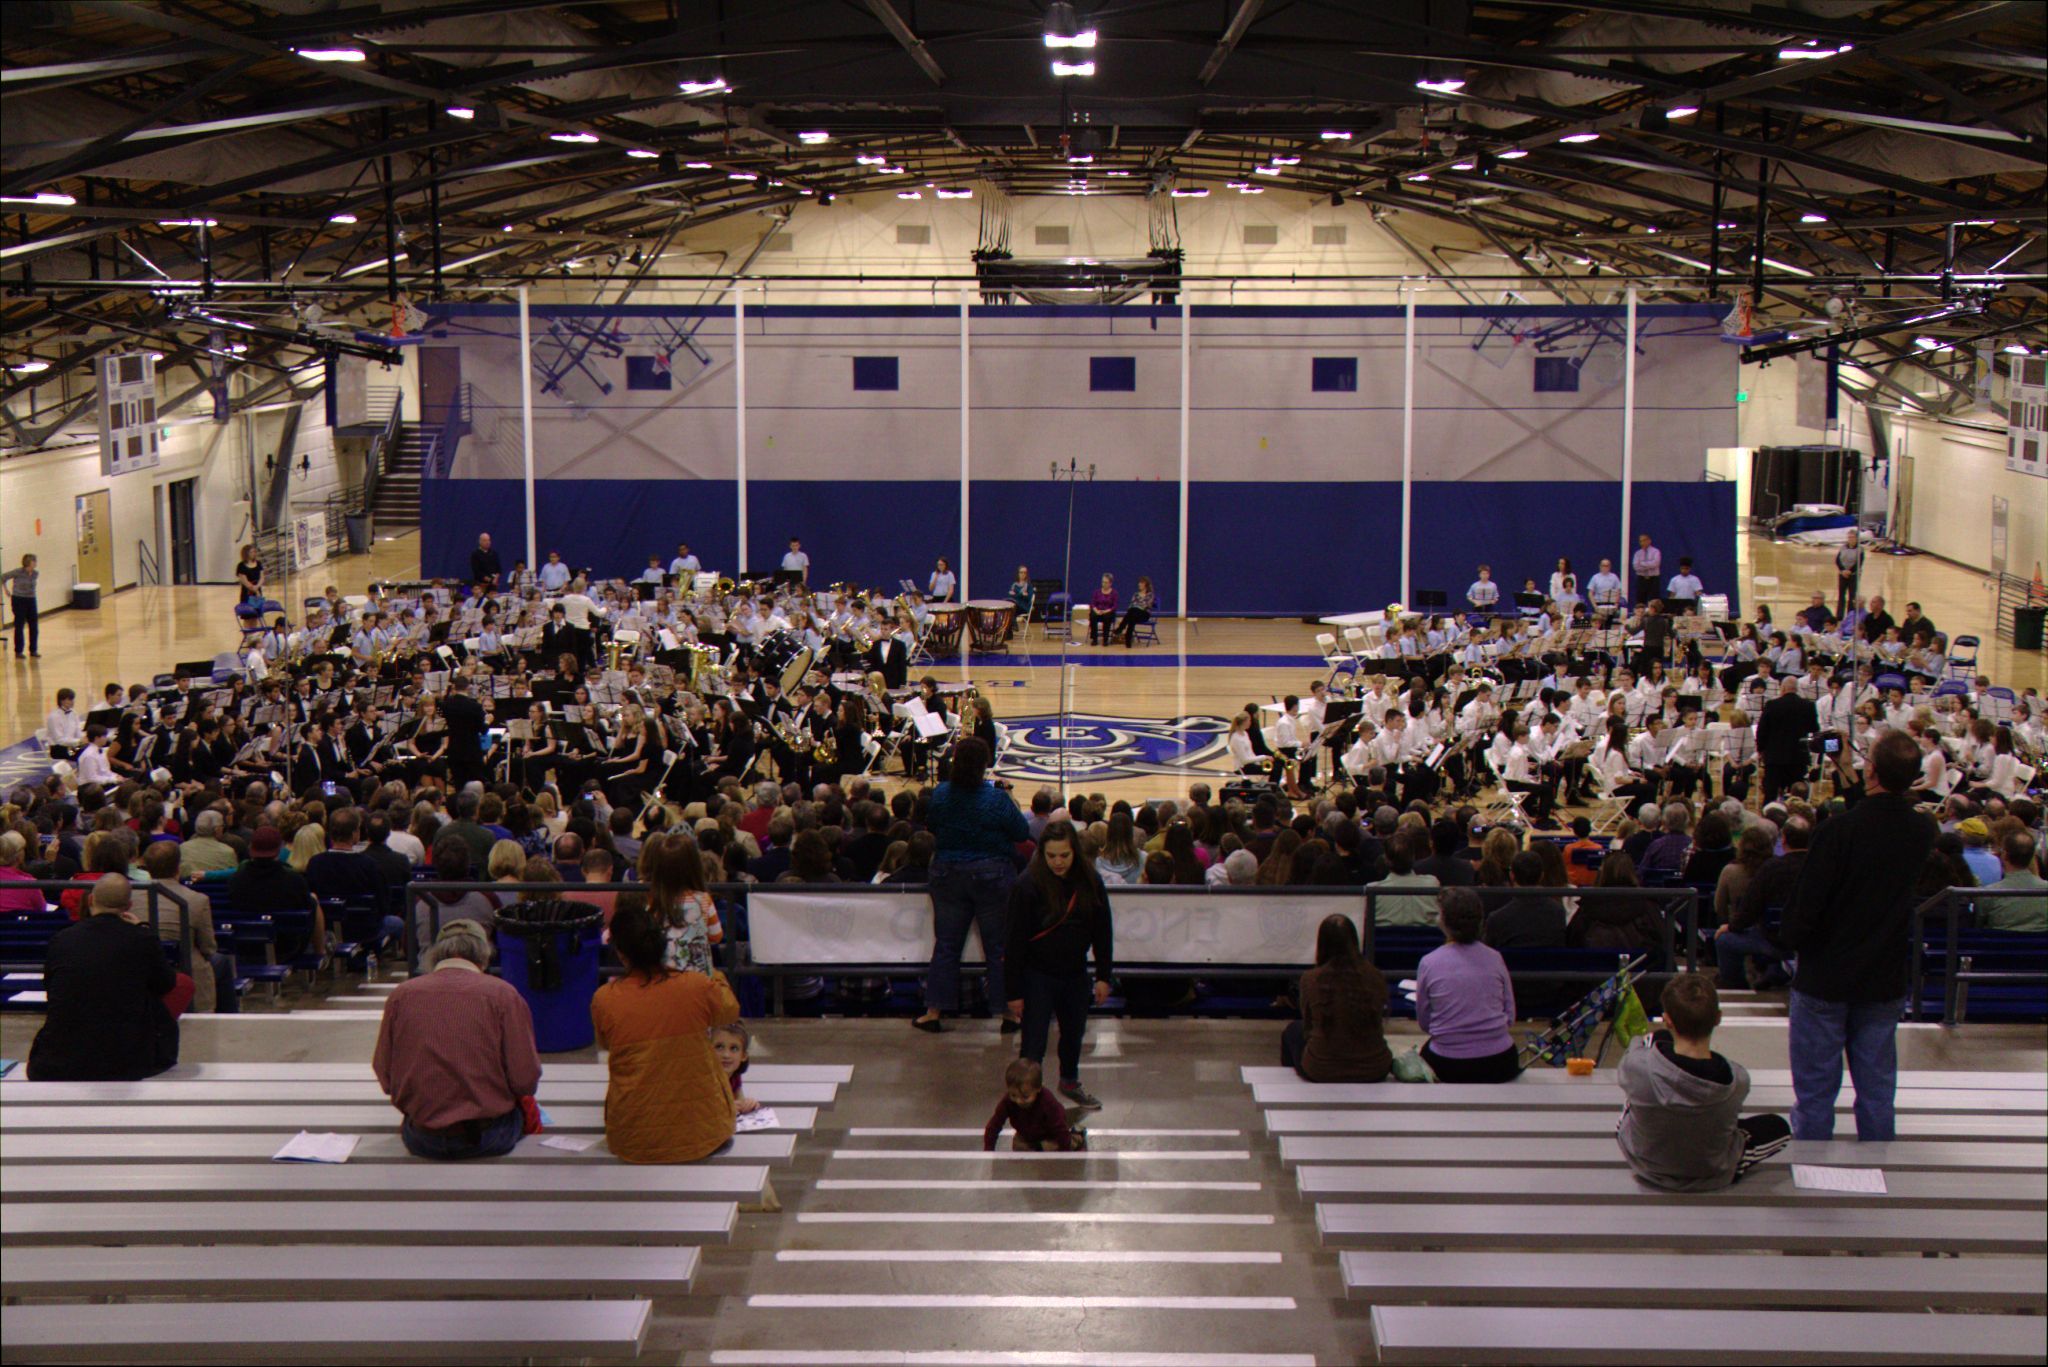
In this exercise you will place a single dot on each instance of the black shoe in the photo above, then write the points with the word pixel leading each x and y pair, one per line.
pixel 1011 1025
pixel 1080 1096
pixel 934 1026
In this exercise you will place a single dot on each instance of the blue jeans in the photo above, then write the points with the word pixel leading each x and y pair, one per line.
pixel 493 1137
pixel 1731 949
pixel 968 892
pixel 1821 1033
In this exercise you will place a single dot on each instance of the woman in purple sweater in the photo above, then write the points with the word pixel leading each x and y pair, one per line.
pixel 1102 613
pixel 1464 1000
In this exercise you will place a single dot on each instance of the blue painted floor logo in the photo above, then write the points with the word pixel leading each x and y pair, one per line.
pixel 1101 748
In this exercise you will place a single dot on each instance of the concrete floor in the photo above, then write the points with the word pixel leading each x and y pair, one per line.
pixel 1238 1207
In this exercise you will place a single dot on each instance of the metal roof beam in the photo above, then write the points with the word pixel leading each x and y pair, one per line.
pixel 886 14
pixel 1233 33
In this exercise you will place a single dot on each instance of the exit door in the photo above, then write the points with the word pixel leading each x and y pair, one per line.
pixel 96 539
pixel 184 533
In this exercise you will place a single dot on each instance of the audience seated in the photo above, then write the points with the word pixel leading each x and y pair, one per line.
pixel 1464 1000
pixel 2030 914
pixel 1418 909
pixel 1529 920
pixel 107 978
pixel 265 885
pixel 455 1051
pixel 1681 1124
pixel 212 971
pixel 1340 1036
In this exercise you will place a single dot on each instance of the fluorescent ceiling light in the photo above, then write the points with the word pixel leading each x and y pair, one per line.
pixel 813 138
pixel 1464 166
pixel 1785 266
pixel 2017 349
pixel 1512 154
pixel 696 166
pixel 156 355
pixel 1284 161
pixel 1929 344
pixel 1580 137
pixel 1265 170
pixel 1813 218
pixel 1419 176
pixel 47 198
pixel 1975 222
pixel 956 194
pixel 741 175
pixel 572 137
pixel 188 223
pixel 1251 189
pixel 332 54
pixel 461 111
pixel 368 266
pixel 871 159
pixel 641 153
pixel 710 87
pixel 1084 39
pixel 1812 54
pixel 1082 159
pixel 910 194
pixel 1116 173
pixel 888 170
pixel 1724 227
pixel 509 228
pixel 1450 86
pixel 30 367
pixel 1073 68
pixel 1198 193
pixel 1680 111
pixel 1335 135
pixel 342 218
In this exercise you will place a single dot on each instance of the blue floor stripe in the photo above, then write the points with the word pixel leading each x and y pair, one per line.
pixel 1150 660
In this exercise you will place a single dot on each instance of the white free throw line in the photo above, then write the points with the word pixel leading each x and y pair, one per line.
pixel 1113 1155
pixel 871 1133
pixel 1020 1255
pixel 1003 1217
pixel 811 1357
pixel 976 1302
pixel 999 1184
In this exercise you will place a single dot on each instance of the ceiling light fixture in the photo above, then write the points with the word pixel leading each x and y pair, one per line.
pixel 49 199
pixel 1813 218
pixel 1512 154
pixel 910 194
pixel 342 218
pixel 889 170
pixel 1265 170
pixel 1278 160
pixel 332 54
pixel 1420 176
pixel 572 137
pixel 461 111
pixel 1727 227
pixel 741 175
pixel 31 366
pixel 1464 166
pixel 509 228
pixel 188 223
pixel 1063 27
pixel 1196 193
pixel 1073 68
pixel 945 193
pixel 2017 349
pixel 1081 159
pixel 641 153
pixel 1116 173
pixel 1975 222
pixel 871 159
pixel 696 166
pixel 1580 137
pixel 1449 86
pixel 814 138
pixel 1812 54
pixel 1335 135
pixel 1681 111
pixel 710 87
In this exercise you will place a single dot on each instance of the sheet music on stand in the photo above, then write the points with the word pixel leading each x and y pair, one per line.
pixel 519 728
pixel 1737 744
pixel 661 676
pixel 575 713
pixel 389 724
pixel 437 681
pixel 273 714
pixel 930 725
pixel 1996 708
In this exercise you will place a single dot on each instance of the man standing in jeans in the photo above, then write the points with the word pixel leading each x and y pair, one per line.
pixel 1849 919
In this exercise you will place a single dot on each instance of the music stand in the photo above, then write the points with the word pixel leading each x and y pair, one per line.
pixel 1529 600
pixel 1435 599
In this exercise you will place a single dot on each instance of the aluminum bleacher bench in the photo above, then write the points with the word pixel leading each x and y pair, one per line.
pixel 1532 1334
pixel 1758 1077
pixel 44 1223
pixel 1768 1185
pixel 1902 1155
pixel 341 1092
pixel 555 1072
pixel 341 1270
pixel 289 1119
pixel 594 1182
pixel 1504 1122
pixel 1705 1279
pixel 1706 1225
pixel 1511 1096
pixel 325 1331
pixel 229 1146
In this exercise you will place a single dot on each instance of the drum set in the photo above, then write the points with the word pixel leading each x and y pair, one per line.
pixel 784 658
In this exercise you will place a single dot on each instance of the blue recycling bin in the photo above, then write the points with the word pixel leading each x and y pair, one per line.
pixel 549 951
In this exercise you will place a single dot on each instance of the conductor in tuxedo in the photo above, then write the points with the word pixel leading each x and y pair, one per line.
pixel 1783 729
pixel 466 726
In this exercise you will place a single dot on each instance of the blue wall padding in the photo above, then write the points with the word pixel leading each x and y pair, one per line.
pixel 1121 527
pixel 1256 548
pixel 1278 548
pixel 867 532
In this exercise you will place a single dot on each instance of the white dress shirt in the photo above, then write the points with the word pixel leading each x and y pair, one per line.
pixel 65 726
pixel 93 766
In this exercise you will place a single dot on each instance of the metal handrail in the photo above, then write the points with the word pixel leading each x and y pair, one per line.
pixel 382 447
pixel 151 571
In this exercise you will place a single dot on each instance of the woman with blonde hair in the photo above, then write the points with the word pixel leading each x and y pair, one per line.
pixel 1496 852
pixel 308 841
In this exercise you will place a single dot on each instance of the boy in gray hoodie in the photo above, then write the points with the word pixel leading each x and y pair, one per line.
pixel 1680 1126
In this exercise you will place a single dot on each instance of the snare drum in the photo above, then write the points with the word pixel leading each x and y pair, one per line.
pixel 784 658
pixel 989 619
pixel 948 621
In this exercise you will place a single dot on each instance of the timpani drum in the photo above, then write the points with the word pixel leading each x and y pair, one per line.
pixel 948 621
pixel 989 620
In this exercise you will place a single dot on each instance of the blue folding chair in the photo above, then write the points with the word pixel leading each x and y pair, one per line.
pixel 1962 657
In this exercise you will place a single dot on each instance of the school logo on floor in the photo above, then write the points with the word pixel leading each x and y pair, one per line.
pixel 1099 748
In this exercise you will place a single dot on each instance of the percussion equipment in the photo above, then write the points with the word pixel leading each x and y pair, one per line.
pixel 989 619
pixel 949 620
pixel 784 658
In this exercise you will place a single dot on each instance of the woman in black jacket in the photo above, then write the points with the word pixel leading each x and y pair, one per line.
pixel 1059 911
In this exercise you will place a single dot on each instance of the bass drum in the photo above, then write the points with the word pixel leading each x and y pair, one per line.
pixel 785 659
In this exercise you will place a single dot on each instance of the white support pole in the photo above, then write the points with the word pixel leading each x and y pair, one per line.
pixel 739 412
pixel 526 426
pixel 1187 342
pixel 965 591
pixel 1628 436
pixel 1407 434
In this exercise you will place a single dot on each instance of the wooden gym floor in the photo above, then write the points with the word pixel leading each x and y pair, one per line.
pixel 1207 668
